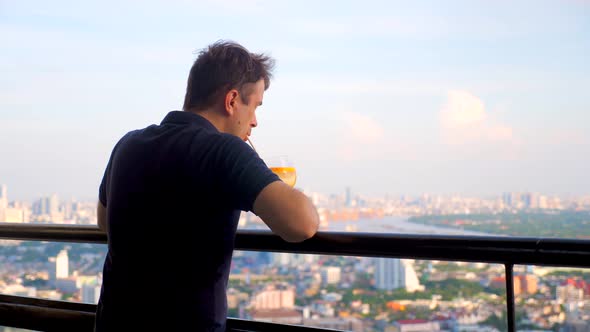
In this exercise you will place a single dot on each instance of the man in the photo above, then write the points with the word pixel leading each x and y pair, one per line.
pixel 171 197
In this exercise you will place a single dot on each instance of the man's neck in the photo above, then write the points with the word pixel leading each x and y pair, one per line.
pixel 212 116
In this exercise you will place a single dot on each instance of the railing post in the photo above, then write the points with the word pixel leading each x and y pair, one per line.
pixel 510 311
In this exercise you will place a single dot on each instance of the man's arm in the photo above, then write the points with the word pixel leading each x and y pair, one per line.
pixel 288 212
pixel 101 213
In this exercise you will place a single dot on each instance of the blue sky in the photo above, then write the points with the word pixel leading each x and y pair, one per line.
pixel 387 97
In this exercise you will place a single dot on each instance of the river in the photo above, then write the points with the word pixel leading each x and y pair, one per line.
pixel 395 225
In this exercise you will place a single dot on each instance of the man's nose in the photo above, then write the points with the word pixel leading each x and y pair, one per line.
pixel 254 122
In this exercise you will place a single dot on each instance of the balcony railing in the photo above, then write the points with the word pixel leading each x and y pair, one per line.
pixel 49 315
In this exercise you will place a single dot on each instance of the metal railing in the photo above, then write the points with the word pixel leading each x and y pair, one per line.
pixel 52 315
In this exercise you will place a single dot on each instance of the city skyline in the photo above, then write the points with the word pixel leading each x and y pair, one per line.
pixel 343 207
pixel 473 98
pixel 347 195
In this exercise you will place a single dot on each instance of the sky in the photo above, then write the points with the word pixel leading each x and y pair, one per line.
pixel 384 97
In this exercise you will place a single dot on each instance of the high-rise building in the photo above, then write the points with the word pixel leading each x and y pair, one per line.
pixel 569 292
pixel 330 274
pixel 281 258
pixel 543 202
pixel 512 199
pixel 348 197
pixel 62 265
pixel 534 200
pixel 90 292
pixel 39 206
pixel 53 205
pixel 412 281
pixel 3 195
pixel 530 200
pixel 389 274
pixel 517 285
pixel 3 202
pixel 46 205
pixel 274 296
pixel 13 215
pixel 529 283
pixel 289 259
pixel 507 199
pixel 51 271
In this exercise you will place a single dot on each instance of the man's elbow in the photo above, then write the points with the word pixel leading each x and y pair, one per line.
pixel 305 230
pixel 303 235
pixel 102 226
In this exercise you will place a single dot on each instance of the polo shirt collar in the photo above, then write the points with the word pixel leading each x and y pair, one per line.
pixel 187 118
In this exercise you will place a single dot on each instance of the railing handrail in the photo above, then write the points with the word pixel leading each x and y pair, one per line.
pixel 490 249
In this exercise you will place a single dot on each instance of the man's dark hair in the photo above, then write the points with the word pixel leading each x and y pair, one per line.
pixel 222 66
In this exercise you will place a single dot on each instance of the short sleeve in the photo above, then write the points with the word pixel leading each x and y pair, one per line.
pixel 102 190
pixel 243 174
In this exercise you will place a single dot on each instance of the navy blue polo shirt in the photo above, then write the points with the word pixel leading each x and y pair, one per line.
pixel 173 194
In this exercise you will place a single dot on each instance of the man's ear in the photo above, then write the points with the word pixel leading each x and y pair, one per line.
pixel 231 101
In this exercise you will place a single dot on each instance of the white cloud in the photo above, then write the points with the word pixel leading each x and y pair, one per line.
pixel 462 109
pixel 362 138
pixel 363 129
pixel 499 133
pixel 464 120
